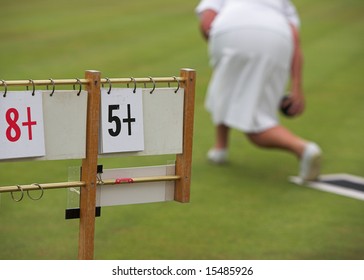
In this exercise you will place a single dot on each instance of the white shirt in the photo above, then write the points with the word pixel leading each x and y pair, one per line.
pixel 271 14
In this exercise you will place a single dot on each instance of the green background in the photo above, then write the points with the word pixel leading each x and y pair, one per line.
pixel 245 210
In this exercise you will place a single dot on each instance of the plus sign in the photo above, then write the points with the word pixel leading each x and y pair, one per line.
pixel 129 120
pixel 29 124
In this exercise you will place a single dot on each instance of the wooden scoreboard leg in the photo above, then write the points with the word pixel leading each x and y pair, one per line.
pixel 184 160
pixel 89 169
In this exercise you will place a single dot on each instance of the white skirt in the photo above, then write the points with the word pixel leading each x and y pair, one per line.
pixel 250 72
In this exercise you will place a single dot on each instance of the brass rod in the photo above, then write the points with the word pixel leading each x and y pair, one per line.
pixel 44 82
pixel 142 80
pixel 139 180
pixel 60 185
pixel 50 82
pixel 75 184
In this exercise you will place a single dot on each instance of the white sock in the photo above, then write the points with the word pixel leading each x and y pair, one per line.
pixel 310 164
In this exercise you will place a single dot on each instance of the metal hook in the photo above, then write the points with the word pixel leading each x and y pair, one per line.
pixel 6 88
pixel 108 80
pixel 178 84
pixel 33 86
pixel 133 80
pixel 153 85
pixel 80 84
pixel 22 194
pixel 54 87
pixel 41 195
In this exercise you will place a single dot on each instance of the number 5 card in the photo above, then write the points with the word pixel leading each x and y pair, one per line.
pixel 21 125
pixel 121 124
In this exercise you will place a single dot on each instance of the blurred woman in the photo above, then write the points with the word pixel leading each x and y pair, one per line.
pixel 254 49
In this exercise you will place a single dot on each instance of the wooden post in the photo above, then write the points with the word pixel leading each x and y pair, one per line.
pixel 89 169
pixel 184 160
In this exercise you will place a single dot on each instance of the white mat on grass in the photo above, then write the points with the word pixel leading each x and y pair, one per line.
pixel 341 184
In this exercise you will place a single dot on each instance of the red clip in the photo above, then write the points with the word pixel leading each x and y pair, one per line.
pixel 124 180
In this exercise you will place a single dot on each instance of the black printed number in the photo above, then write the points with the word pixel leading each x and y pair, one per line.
pixel 112 118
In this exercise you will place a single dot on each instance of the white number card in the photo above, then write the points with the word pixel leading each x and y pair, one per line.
pixel 121 125
pixel 21 125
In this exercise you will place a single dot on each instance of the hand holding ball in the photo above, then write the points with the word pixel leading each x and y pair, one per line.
pixel 285 105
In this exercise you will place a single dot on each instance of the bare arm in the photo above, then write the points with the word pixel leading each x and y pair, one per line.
pixel 296 98
pixel 206 19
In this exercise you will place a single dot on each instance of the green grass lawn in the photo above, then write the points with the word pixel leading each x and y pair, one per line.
pixel 245 210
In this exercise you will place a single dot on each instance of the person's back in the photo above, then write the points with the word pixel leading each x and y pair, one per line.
pixel 254 48
pixel 271 14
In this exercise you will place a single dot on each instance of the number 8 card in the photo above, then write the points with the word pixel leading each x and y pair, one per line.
pixel 21 125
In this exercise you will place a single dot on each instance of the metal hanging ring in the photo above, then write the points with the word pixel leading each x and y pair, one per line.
pixel 135 85
pixel 54 87
pixel 178 84
pixel 22 194
pixel 80 84
pixel 6 88
pixel 33 87
pixel 153 85
pixel 41 195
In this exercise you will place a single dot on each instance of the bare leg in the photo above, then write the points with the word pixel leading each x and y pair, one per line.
pixel 308 153
pixel 222 136
pixel 281 138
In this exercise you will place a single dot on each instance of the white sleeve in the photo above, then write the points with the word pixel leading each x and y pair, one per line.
pixel 215 5
pixel 291 13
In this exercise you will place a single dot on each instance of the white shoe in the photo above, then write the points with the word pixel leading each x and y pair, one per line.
pixel 217 156
pixel 310 164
